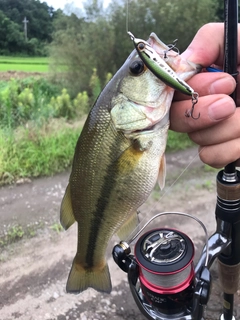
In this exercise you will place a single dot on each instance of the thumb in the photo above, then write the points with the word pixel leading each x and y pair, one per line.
pixel 207 46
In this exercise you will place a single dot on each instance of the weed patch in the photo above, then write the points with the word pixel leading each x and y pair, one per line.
pixel 33 152
pixel 57 227
pixel 13 234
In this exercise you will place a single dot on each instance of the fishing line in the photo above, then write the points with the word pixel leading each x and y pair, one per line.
pixel 178 178
pixel 127 15
pixel 165 192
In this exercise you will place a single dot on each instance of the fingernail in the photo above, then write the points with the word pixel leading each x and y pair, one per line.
pixel 221 109
pixel 224 85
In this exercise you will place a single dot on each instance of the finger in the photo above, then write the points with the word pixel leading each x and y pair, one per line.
pixel 224 131
pixel 238 87
pixel 207 83
pixel 217 156
pixel 212 109
pixel 207 46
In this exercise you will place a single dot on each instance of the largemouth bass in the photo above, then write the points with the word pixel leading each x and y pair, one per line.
pixel 119 157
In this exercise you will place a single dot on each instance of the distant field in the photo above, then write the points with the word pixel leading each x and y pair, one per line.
pixel 23 64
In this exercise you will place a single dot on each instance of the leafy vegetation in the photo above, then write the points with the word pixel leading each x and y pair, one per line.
pixel 17 232
pixel 13 234
pixel 31 152
pixel 37 136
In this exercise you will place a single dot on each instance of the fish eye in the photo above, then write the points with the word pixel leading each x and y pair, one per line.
pixel 137 67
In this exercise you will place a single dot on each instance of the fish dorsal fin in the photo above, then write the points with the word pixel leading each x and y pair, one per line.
pixel 128 226
pixel 66 211
pixel 162 172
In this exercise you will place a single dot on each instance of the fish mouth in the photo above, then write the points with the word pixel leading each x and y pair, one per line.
pixel 149 129
pixel 158 45
pixel 153 127
pixel 147 106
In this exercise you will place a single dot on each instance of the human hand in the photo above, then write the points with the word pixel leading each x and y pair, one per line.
pixel 217 131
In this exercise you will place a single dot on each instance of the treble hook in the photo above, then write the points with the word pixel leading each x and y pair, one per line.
pixel 171 47
pixel 189 113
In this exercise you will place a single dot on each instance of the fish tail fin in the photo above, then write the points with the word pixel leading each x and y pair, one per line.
pixel 80 279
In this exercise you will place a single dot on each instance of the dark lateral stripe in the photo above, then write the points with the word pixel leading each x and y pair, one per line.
pixel 102 202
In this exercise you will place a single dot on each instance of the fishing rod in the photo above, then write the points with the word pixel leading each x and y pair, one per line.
pixel 228 180
pixel 161 274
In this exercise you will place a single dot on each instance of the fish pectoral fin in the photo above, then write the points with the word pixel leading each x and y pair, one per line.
pixel 128 226
pixel 162 172
pixel 81 278
pixel 66 212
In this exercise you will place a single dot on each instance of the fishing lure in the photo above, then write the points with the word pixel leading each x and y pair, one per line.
pixel 163 71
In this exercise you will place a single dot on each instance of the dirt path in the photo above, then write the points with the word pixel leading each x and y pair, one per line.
pixel 8 75
pixel 34 270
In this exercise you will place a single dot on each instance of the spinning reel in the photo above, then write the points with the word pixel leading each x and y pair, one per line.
pixel 161 273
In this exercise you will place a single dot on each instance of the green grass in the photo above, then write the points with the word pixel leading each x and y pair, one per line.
pixel 37 152
pixel 178 141
pixel 23 64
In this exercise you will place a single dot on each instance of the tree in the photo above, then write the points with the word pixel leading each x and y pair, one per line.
pixel 39 15
pixel 39 28
pixel 78 48
pixel 11 39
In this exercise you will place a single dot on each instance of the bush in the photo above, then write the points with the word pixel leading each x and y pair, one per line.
pixel 95 85
pixel 62 105
pixel 37 100
pixel 81 104
pixel 24 100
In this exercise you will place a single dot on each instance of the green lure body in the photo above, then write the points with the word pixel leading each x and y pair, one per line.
pixel 159 67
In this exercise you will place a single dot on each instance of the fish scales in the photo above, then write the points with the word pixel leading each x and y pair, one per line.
pixel 104 191
pixel 118 159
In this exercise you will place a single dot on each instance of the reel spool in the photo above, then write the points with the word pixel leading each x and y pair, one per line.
pixel 166 271
pixel 161 273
